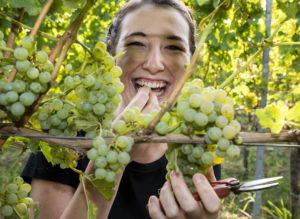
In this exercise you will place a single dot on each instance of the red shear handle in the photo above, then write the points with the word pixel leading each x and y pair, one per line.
pixel 221 190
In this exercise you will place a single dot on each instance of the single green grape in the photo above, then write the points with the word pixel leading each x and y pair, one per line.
pixel 41 57
pixel 17 109
pixel 162 128
pixel 21 53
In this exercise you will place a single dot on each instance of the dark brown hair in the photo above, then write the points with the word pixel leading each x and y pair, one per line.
pixel 114 30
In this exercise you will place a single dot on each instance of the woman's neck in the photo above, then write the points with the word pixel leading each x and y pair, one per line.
pixel 147 153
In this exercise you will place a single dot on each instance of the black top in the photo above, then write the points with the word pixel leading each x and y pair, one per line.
pixel 138 183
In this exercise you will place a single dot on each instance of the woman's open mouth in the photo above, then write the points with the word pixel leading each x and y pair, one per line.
pixel 157 86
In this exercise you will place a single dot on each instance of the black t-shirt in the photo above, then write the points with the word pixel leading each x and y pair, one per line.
pixel 138 183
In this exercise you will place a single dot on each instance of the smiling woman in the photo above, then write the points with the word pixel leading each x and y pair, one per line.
pixel 157 37
pixel 155 56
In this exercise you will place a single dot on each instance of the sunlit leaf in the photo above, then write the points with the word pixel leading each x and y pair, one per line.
pixel 273 116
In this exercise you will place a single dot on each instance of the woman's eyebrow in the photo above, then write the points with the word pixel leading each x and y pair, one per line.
pixel 172 37
pixel 177 38
pixel 134 34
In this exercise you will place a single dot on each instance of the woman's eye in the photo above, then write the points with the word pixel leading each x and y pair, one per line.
pixel 173 47
pixel 135 44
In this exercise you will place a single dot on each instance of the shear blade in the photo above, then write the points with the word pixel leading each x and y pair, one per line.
pixel 258 187
pixel 260 181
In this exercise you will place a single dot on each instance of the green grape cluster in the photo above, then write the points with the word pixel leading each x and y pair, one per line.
pixel 110 160
pixel 64 157
pixel 53 117
pixel 32 78
pixel 95 92
pixel 202 111
pixel 14 200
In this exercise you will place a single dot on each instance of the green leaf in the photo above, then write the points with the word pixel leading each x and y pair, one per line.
pixel 172 156
pixel 46 149
pixel 33 145
pixel 202 2
pixel 31 6
pixel 104 187
pixel 71 4
pixel 273 116
pixel 294 113
pixel 86 125
pixel 92 211
pixel 36 210
pixel 289 8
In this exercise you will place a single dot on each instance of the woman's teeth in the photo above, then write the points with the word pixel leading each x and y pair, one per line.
pixel 158 87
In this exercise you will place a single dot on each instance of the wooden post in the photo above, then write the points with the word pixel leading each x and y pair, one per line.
pixel 260 150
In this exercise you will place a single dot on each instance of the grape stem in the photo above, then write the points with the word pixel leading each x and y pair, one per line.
pixel 6 49
pixel 40 18
pixel 16 161
pixel 84 189
pixel 85 47
pixel 286 44
pixel 13 33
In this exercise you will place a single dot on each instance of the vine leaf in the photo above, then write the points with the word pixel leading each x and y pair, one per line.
pixel 172 155
pixel 273 116
pixel 46 151
pixel 30 6
pixel 86 125
pixel 289 8
pixel 104 187
pixel 92 209
pixel 294 113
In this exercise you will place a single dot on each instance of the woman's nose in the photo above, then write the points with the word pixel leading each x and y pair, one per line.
pixel 154 61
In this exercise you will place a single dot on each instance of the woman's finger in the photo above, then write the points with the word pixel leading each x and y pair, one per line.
pixel 152 104
pixel 210 175
pixel 140 100
pixel 168 201
pixel 154 208
pixel 183 195
pixel 210 200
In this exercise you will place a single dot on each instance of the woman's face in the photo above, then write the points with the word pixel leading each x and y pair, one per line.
pixel 156 45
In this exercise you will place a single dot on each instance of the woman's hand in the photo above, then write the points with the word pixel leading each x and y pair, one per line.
pixel 178 202
pixel 145 100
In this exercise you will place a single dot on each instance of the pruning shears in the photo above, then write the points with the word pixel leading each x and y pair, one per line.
pixel 225 186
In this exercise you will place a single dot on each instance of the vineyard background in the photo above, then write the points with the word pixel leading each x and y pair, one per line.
pixel 238 33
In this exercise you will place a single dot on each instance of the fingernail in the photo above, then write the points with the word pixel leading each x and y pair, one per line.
pixel 198 178
pixel 173 174
pixel 152 199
